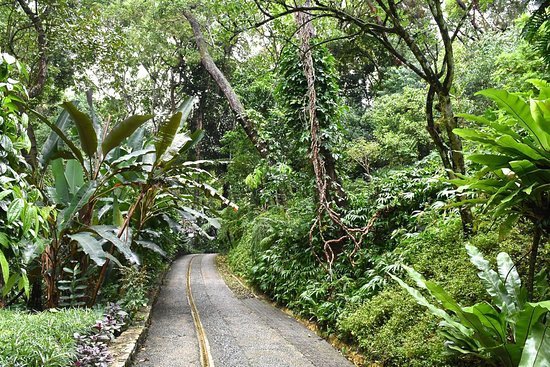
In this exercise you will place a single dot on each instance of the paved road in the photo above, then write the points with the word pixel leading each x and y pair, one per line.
pixel 239 332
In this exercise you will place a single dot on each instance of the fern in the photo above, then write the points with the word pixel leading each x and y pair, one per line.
pixel 537 31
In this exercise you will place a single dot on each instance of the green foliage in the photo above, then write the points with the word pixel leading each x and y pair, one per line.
pixel 515 170
pixel 43 339
pixel 510 332
pixel 73 289
pixel 134 288
pixel 397 124
pixel 537 31
pixel 22 218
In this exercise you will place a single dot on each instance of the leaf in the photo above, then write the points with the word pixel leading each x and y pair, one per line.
pixel 76 152
pixel 518 109
pixel 166 134
pixel 493 161
pixel 74 175
pixel 5 267
pixel 528 317
pixel 507 225
pixel 475 135
pixel 9 284
pixel 123 130
pixel 15 209
pixel 85 128
pixel 536 352
pixel 491 280
pixel 109 233
pixel 51 145
pixel 81 198
pixel 62 193
pixel 510 145
pixel 421 300
pixel 168 130
pixel 135 154
pixel 90 246
pixel 151 246
pixel 508 273
pixel 4 241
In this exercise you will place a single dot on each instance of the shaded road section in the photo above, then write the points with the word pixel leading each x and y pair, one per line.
pixel 239 332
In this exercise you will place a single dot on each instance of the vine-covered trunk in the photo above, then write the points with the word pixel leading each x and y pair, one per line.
pixel 453 156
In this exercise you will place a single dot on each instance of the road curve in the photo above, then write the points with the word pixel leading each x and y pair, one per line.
pixel 211 327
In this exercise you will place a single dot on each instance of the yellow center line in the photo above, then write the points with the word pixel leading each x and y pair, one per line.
pixel 206 357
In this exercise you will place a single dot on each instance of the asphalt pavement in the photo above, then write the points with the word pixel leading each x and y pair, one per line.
pixel 238 332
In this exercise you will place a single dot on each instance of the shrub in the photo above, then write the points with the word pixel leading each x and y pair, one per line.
pixel 44 339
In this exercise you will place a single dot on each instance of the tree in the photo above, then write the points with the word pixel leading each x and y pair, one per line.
pixel 419 36
pixel 225 86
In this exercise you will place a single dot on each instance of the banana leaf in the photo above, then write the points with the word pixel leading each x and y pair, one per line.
pixel 85 127
pixel 122 131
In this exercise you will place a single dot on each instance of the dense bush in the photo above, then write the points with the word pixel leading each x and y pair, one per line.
pixel 43 339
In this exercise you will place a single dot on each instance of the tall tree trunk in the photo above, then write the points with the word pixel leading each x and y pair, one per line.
pixel 225 86
pixel 456 157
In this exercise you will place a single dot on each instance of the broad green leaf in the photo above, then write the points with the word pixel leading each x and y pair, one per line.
pixel 90 246
pixel 109 233
pixel 475 135
pixel 493 161
pixel 529 316
pixel 85 128
pixel 76 152
pixel 24 283
pixel 15 209
pixel 512 146
pixel 122 131
pixel 4 240
pixel 508 273
pixel 81 198
pixel 151 246
pixel 14 278
pixel 60 180
pixel 491 280
pixel 118 220
pixel 543 86
pixel 5 267
pixel 507 225
pixel 130 156
pixel 74 175
pixel 536 352
pixel 517 108
pixel 541 113
pixel 166 134
pixel 29 215
pixel 491 319
pixel 51 146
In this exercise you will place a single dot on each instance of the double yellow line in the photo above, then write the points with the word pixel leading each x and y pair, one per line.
pixel 206 357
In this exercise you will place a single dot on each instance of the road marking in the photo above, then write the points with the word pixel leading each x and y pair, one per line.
pixel 206 357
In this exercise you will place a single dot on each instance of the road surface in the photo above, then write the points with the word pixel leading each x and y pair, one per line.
pixel 209 326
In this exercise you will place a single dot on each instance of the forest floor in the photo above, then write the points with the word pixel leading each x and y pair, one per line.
pixel 211 326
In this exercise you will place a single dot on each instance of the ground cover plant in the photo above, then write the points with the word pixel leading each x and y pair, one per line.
pixel 44 339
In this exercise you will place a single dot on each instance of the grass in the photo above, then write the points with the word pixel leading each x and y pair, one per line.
pixel 43 339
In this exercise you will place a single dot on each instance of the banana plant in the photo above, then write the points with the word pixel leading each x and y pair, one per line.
pixel 82 175
pixel 509 332
pixel 514 175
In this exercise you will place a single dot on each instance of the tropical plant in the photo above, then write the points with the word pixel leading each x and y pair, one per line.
pixel 514 177
pixel 510 332
pixel 22 218
pixel 537 30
